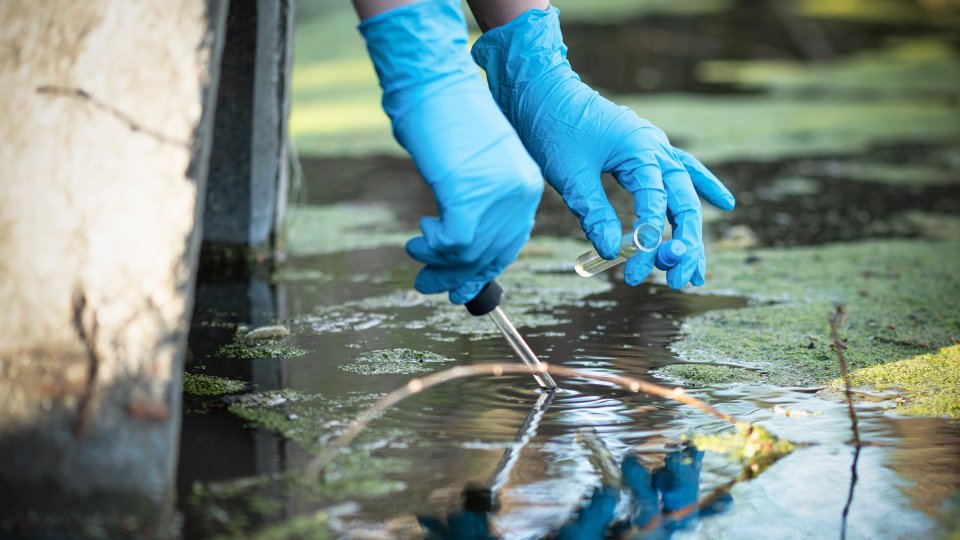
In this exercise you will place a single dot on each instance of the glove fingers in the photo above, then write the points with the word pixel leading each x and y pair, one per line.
pixel 454 233
pixel 705 182
pixel 687 228
pixel 436 279
pixel 683 211
pixel 463 281
pixel 471 286
pixel 419 251
pixel 587 200
pixel 650 206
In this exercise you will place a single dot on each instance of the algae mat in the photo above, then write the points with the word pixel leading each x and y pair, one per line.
pixel 929 384
pixel 901 300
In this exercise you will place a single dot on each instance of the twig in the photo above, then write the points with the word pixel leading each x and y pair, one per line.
pixel 316 467
pixel 839 346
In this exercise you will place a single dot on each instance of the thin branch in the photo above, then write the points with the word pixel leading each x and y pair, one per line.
pixel 839 346
pixel 316 467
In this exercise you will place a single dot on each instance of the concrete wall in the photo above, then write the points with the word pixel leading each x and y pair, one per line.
pixel 104 141
pixel 248 167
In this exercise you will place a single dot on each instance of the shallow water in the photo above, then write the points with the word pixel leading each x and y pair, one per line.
pixel 416 459
pixel 342 304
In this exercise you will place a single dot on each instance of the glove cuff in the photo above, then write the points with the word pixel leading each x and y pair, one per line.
pixel 418 50
pixel 520 53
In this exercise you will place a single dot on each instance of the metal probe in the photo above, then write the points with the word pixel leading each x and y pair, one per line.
pixel 487 302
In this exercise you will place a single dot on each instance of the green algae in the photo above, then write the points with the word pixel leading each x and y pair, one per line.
pixel 618 10
pixel 704 375
pixel 208 385
pixel 810 108
pixel 879 11
pixel 541 276
pixel 294 415
pixel 289 274
pixel 311 421
pixel 930 383
pixel 395 361
pixel 941 227
pixel 752 446
pixel 784 187
pixel 900 296
pixel 306 527
pixel 897 174
pixel 765 128
pixel 806 110
pixel 313 230
pixel 906 69
pixel 264 344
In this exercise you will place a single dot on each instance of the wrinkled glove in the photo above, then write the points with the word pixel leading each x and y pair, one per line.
pixel 486 185
pixel 575 134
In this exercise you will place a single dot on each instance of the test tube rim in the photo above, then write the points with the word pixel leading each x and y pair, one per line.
pixel 636 238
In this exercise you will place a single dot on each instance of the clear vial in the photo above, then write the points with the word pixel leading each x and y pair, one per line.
pixel 645 238
pixel 523 350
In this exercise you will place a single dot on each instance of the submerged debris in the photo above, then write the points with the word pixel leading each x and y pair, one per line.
pixel 276 331
pixel 264 342
pixel 752 446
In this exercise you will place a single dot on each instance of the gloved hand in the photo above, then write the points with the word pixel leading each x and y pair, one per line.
pixel 575 134
pixel 486 185
pixel 591 521
pixel 646 500
pixel 678 482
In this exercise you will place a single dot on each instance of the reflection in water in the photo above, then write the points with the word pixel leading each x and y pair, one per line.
pixel 470 431
pixel 458 434
pixel 638 502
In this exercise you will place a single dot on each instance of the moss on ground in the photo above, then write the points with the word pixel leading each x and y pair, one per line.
pixel 930 383
pixel 705 374
pixel 395 361
pixel 900 296
pixel 208 385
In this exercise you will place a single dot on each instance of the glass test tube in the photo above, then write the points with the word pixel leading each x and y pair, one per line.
pixel 521 348
pixel 645 237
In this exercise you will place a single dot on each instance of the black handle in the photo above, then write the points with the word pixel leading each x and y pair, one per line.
pixel 486 300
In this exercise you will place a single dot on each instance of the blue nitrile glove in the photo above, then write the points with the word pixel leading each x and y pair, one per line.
pixel 575 134
pixel 678 482
pixel 486 185
pixel 646 500
pixel 591 521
